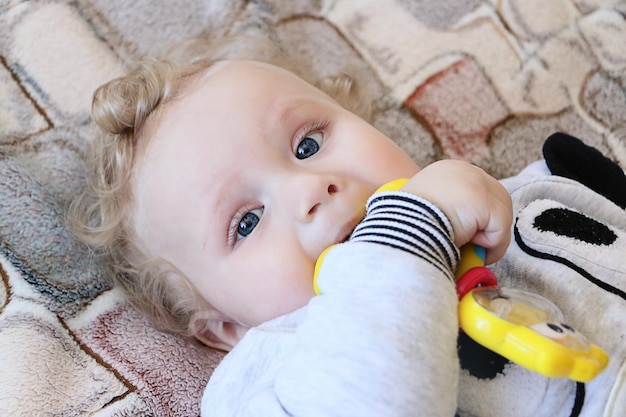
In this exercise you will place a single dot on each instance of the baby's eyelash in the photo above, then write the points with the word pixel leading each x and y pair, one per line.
pixel 232 231
pixel 315 126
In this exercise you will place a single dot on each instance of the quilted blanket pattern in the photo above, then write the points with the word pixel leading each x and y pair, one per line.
pixel 482 80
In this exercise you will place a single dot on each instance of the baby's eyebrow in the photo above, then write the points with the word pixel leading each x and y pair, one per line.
pixel 286 110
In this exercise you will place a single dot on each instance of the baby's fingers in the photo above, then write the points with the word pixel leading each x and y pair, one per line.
pixel 478 206
pixel 495 234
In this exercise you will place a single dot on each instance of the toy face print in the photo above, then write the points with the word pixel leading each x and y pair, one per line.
pixel 563 334
pixel 248 177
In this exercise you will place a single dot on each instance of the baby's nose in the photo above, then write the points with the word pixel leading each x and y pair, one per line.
pixel 307 194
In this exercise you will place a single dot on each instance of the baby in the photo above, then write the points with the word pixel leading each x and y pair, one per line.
pixel 220 178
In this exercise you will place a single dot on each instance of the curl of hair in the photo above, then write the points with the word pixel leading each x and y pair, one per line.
pixel 102 215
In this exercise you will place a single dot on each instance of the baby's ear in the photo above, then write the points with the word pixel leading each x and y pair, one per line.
pixel 216 330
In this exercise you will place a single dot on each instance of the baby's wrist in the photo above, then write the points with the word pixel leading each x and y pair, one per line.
pixel 410 223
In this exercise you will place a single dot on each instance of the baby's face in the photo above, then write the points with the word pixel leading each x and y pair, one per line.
pixel 248 178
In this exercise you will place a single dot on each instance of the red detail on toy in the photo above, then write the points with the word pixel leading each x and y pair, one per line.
pixel 478 276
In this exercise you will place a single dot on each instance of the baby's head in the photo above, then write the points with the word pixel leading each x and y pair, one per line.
pixel 219 179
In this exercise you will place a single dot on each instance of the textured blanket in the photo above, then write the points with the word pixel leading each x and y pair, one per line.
pixel 482 80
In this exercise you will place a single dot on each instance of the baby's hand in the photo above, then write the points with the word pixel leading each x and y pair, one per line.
pixel 476 204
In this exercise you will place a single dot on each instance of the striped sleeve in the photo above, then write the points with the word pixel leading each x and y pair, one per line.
pixel 404 221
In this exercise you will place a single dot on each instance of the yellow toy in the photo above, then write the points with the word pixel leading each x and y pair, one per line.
pixel 523 327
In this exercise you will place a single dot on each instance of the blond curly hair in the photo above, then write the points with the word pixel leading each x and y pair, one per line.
pixel 102 215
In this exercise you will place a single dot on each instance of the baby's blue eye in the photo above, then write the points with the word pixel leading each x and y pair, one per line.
pixel 309 146
pixel 248 222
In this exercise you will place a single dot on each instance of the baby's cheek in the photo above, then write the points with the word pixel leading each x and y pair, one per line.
pixel 282 296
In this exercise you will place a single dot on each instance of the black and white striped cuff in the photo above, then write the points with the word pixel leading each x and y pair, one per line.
pixel 404 221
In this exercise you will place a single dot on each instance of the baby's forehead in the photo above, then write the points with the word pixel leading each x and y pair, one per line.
pixel 244 85
pixel 254 75
pixel 237 90
pixel 235 68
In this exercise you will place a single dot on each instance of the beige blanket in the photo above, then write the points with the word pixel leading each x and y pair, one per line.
pixel 486 81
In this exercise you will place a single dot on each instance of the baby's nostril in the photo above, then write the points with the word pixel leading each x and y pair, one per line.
pixel 332 189
pixel 314 208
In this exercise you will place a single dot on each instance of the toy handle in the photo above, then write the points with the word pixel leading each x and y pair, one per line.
pixel 472 272
pixel 472 256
